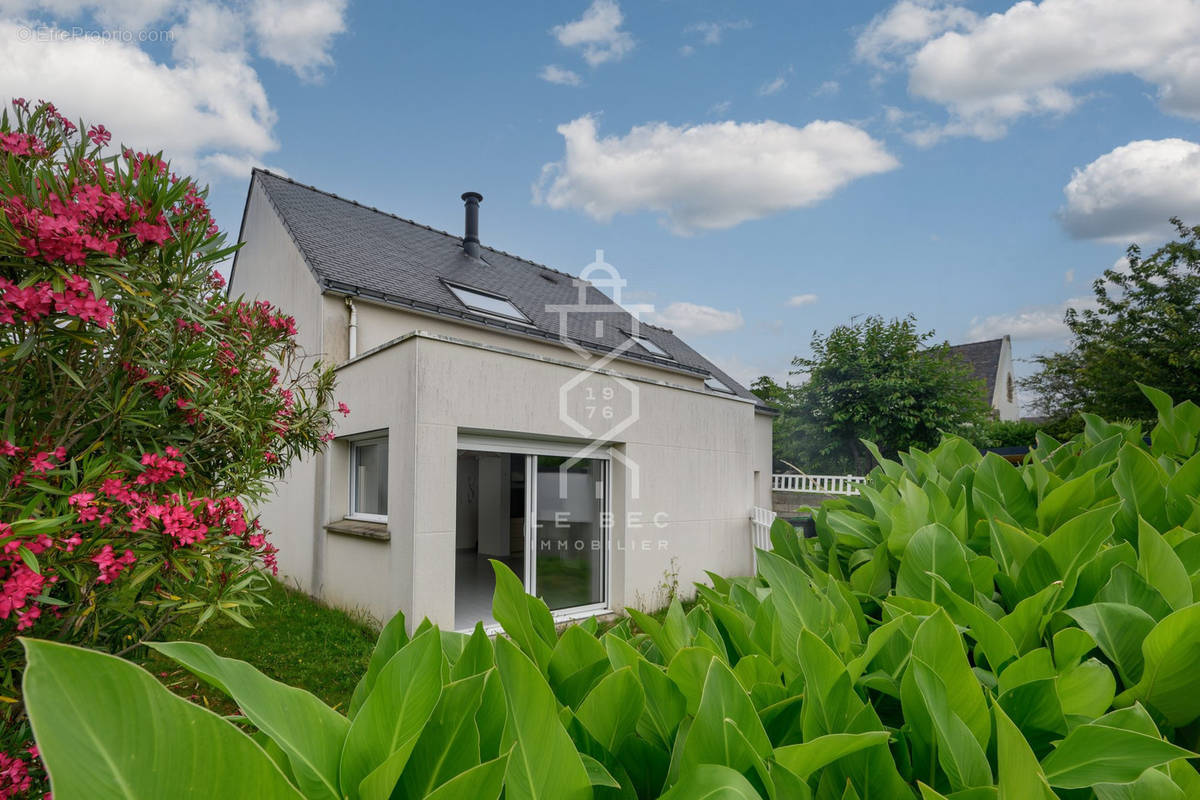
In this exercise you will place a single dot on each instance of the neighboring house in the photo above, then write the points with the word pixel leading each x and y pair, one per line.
pixel 499 409
pixel 991 363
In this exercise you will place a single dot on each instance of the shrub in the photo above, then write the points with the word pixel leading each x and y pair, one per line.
pixel 141 408
pixel 964 629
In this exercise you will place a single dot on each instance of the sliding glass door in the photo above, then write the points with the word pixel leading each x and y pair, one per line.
pixel 541 512
pixel 569 537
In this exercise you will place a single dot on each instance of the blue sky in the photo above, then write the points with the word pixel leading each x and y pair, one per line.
pixel 757 172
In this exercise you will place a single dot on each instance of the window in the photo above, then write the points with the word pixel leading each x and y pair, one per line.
pixel 491 304
pixel 649 345
pixel 716 385
pixel 369 479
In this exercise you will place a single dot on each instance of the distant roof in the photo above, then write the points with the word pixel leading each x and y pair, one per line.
pixel 984 359
pixel 357 250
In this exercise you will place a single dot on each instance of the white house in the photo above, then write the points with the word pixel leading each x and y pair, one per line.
pixel 499 409
pixel 991 363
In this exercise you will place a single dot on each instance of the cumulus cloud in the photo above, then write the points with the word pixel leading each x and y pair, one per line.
pixel 597 34
pixel 1032 323
pixel 1130 193
pixel 802 300
pixel 708 176
pixel 990 71
pixel 712 33
pixel 690 318
pixel 298 33
pixel 552 73
pixel 202 102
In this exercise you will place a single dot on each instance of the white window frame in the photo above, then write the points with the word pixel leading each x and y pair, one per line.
pixel 355 443
pixel 455 288
pixel 650 346
pixel 715 384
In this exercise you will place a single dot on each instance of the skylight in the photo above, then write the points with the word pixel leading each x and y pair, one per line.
pixel 716 385
pixel 649 345
pixel 491 304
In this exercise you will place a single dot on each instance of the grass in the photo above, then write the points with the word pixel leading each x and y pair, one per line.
pixel 296 640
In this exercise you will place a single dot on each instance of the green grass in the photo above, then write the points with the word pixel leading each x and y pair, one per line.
pixel 296 639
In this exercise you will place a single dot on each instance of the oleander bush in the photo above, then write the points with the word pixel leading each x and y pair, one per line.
pixel 142 412
pixel 964 628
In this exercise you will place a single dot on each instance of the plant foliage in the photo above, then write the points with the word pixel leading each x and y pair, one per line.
pixel 964 628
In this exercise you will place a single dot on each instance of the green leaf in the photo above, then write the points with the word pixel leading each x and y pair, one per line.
pixel 1020 775
pixel 483 782
pixel 934 550
pixel 938 644
pixel 307 730
pixel 526 619
pixel 449 743
pixel 612 709
pixel 960 755
pixel 1096 753
pixel 106 728
pixel 1161 567
pixel 544 762
pixel 390 721
pixel 1001 480
pixel 597 773
pixel 393 636
pixel 709 740
pixel 1119 630
pixel 1170 681
pixel 712 782
pixel 806 758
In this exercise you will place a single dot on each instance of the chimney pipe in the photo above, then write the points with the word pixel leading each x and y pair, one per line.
pixel 471 237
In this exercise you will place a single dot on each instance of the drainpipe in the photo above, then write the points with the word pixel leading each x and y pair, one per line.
pixel 353 327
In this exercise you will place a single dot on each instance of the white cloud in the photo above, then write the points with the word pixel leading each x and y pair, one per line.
pixel 1130 193
pixel 720 109
pixel 778 84
pixel 690 318
pixel 711 33
pixel 827 89
pixel 708 176
pixel 552 73
pixel 686 50
pixel 202 103
pixel 597 34
pixel 802 300
pixel 298 33
pixel 1032 323
pixel 990 71
pixel 1069 276
pixel 906 24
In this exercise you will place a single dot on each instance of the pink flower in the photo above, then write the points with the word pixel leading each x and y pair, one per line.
pixel 99 135
pixel 343 409
pixel 111 566
pixel 7 448
pixel 41 463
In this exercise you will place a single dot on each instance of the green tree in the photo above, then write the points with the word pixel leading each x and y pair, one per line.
pixel 877 380
pixel 1144 328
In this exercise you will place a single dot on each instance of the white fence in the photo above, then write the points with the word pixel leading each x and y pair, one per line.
pixel 817 484
pixel 760 531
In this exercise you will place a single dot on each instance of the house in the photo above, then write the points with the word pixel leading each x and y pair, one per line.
pixel 991 363
pixel 501 410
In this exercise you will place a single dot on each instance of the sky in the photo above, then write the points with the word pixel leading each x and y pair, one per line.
pixel 757 172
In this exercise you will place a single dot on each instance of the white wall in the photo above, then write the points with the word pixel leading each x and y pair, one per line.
pixel 269 267
pixel 1006 408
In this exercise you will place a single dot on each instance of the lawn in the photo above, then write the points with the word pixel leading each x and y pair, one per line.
pixel 295 639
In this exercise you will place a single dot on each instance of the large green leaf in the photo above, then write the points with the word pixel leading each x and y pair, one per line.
pixel 526 619
pixel 449 743
pixel 1001 480
pixel 960 755
pixel 709 739
pixel 1161 567
pixel 307 730
pixel 1119 630
pixel 938 644
pixel 544 762
pixel 1170 680
pixel 483 782
pixel 712 782
pixel 390 721
pixel 806 758
pixel 107 729
pixel 393 636
pixel 612 709
pixel 933 550
pixel 1020 775
pixel 1099 753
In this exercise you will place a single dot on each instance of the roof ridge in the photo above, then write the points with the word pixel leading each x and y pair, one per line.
pixel 447 234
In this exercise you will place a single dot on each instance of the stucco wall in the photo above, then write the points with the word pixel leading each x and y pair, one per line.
pixel 269 267
pixel 1006 409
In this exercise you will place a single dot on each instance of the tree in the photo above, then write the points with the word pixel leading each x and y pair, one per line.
pixel 142 412
pixel 1144 328
pixel 875 380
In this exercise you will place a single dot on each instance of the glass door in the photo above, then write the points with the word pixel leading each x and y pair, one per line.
pixel 567 560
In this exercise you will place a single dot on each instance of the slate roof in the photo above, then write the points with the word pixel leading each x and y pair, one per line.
pixel 984 360
pixel 356 250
